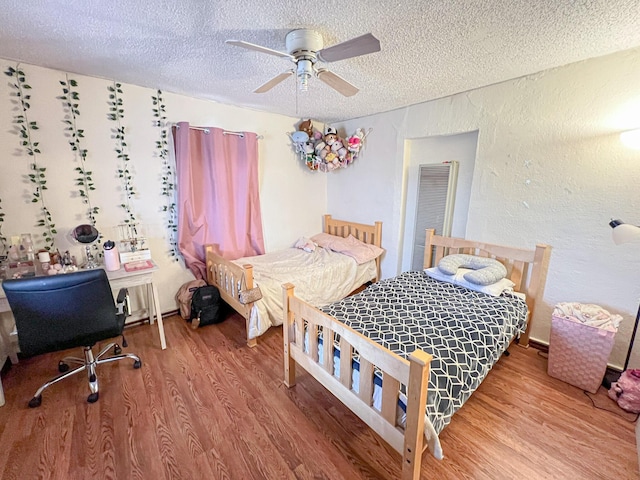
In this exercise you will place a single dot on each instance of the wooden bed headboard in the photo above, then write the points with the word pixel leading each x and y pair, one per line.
pixel 371 234
pixel 526 268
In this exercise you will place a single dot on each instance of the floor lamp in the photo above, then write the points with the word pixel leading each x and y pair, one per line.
pixel 624 233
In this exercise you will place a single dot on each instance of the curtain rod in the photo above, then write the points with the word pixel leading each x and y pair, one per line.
pixel 224 132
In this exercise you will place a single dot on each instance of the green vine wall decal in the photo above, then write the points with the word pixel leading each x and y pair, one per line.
pixel 168 176
pixel 70 103
pixel 26 129
pixel 124 173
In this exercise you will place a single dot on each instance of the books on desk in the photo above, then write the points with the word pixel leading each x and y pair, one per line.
pixel 138 265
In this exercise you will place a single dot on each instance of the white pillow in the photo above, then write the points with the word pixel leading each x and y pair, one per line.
pixel 485 270
pixel 495 289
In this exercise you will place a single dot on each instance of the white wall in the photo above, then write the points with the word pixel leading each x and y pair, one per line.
pixel 284 180
pixel 549 169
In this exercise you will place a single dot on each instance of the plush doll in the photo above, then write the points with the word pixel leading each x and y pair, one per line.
pixel 355 141
pixel 626 391
pixel 306 127
pixel 330 135
pixel 338 148
pixel 354 144
pixel 330 157
pixel 321 149
pixel 309 156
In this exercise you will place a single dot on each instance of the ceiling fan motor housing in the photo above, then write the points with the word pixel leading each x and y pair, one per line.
pixel 303 42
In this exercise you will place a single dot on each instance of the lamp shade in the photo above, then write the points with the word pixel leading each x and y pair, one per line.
pixel 624 232
pixel 631 138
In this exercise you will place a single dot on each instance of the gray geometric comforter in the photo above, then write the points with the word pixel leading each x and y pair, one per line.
pixel 465 331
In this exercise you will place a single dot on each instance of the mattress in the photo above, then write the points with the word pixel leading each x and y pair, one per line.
pixel 320 277
pixel 466 332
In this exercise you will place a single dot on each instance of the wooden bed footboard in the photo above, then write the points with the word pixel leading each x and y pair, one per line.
pixel 227 277
pixel 414 373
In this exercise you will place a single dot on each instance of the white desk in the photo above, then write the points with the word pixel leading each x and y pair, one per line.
pixel 117 279
pixel 140 278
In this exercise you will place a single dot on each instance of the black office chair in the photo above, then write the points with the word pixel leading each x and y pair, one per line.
pixel 58 312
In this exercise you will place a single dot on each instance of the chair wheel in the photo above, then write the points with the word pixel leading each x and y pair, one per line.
pixel 35 401
pixel 63 367
pixel 93 398
pixel 137 363
pixel 117 350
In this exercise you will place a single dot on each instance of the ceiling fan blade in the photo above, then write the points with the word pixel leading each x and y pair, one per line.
pixel 273 82
pixel 355 47
pixel 258 48
pixel 337 83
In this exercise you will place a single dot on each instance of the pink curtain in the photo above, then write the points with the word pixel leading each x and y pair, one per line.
pixel 218 198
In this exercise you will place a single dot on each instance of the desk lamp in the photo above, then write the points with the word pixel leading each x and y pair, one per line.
pixel 624 233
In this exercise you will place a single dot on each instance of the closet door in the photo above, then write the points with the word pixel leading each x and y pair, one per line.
pixel 434 206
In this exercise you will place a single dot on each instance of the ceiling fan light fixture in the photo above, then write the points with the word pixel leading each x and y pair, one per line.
pixel 304 72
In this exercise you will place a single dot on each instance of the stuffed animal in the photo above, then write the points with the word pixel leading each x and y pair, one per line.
pixel 321 149
pixel 306 127
pixel 310 156
pixel 355 141
pixel 330 157
pixel 338 148
pixel 626 391
pixel 330 135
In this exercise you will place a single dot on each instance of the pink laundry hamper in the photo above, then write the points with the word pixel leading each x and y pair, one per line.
pixel 578 353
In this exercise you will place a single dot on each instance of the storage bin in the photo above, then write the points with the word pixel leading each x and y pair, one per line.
pixel 578 352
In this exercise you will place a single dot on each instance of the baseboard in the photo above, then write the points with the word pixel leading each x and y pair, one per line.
pixel 143 320
pixel 539 345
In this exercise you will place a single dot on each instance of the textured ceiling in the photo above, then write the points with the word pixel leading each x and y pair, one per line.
pixel 430 49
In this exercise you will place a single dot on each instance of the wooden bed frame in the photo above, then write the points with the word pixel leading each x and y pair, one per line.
pixel 526 268
pixel 226 275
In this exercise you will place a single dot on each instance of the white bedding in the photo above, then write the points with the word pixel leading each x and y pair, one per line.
pixel 320 277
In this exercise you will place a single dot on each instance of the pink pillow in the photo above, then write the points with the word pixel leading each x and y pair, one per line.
pixel 327 241
pixel 361 252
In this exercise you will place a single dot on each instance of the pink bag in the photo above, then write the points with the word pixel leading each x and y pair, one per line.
pixel 183 297
pixel 626 391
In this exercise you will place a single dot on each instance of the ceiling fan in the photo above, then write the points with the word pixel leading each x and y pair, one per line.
pixel 305 48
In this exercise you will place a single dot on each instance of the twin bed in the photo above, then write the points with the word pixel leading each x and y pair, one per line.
pixel 322 276
pixel 405 353
pixel 412 344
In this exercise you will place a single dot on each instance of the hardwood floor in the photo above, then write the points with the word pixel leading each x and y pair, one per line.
pixel 209 407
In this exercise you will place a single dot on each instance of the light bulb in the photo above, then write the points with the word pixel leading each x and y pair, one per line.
pixel 304 71
pixel 304 82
